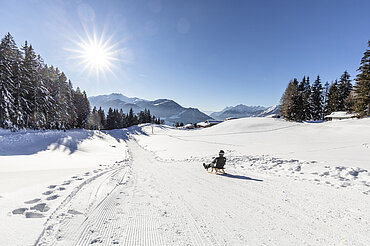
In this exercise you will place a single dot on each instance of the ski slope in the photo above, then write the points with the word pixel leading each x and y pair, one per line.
pixel 287 183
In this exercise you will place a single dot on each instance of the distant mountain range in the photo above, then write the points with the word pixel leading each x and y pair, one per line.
pixel 172 112
pixel 243 111
pixel 166 109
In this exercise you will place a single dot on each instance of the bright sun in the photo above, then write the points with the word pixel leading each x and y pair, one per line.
pixel 96 54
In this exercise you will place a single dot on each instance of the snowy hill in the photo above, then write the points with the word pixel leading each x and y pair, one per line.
pixel 166 109
pixel 238 111
pixel 146 184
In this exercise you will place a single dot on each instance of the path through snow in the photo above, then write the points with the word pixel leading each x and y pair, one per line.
pixel 149 201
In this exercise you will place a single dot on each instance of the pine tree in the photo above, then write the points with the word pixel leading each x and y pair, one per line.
pixel 325 100
pixel 291 102
pixel 333 98
pixel 7 59
pixel 362 87
pixel 304 90
pixel 344 89
pixel 316 100
pixel 52 83
pixel 103 120
pixel 130 118
pixel 93 119
pixel 82 108
pixel 110 120
pixel 141 117
pixel 41 97
pixel 29 83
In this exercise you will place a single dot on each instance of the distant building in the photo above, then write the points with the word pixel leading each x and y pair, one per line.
pixel 189 126
pixel 203 124
pixel 339 115
pixel 208 123
pixel 231 118
pixel 213 122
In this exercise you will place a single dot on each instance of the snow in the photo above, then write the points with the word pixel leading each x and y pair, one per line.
pixel 340 115
pixel 31 162
pixel 286 183
pixel 339 142
pixel 203 124
pixel 163 101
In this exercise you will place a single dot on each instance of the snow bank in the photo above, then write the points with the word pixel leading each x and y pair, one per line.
pixel 38 169
pixel 335 154
pixel 335 143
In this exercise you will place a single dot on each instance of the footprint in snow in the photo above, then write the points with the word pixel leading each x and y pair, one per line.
pixel 68 182
pixel 61 188
pixel 72 211
pixel 74 177
pixel 52 186
pixel 53 197
pixel 19 210
pixel 96 240
pixel 47 192
pixel 33 215
pixel 41 207
pixel 33 201
pixel 80 178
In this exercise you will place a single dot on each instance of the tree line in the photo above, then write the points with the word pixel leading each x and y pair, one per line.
pixel 116 119
pixel 35 95
pixel 304 101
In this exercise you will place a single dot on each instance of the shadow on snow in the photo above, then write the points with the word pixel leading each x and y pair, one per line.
pixel 123 134
pixel 30 142
pixel 240 177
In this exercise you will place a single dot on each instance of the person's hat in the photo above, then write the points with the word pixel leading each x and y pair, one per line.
pixel 222 152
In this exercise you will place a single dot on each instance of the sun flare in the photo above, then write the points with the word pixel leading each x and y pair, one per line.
pixel 95 54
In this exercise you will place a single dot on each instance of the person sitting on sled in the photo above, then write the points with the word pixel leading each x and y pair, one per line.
pixel 218 163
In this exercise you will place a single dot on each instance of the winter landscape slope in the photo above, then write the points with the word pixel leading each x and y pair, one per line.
pixel 166 109
pixel 287 183
pixel 243 111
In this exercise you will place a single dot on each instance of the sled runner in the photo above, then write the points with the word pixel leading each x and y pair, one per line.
pixel 217 170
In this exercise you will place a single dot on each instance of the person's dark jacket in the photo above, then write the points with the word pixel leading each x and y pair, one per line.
pixel 219 162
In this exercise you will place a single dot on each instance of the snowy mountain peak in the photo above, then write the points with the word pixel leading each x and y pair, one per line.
pixel 238 111
pixel 166 109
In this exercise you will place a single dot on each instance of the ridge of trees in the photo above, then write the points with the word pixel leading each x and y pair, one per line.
pixel 34 95
pixel 302 101
pixel 116 119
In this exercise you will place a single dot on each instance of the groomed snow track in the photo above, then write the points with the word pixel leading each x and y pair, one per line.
pixel 145 201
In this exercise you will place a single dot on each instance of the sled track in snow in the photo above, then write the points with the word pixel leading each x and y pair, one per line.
pixel 154 202
pixel 81 230
pixel 103 219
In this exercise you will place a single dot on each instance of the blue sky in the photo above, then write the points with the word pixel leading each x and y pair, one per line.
pixel 207 54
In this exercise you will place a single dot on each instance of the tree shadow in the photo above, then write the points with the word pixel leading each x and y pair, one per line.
pixel 124 134
pixel 240 177
pixel 30 142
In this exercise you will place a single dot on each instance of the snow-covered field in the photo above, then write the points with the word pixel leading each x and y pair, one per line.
pixel 287 183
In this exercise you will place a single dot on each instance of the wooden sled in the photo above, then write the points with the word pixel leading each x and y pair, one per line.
pixel 217 170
